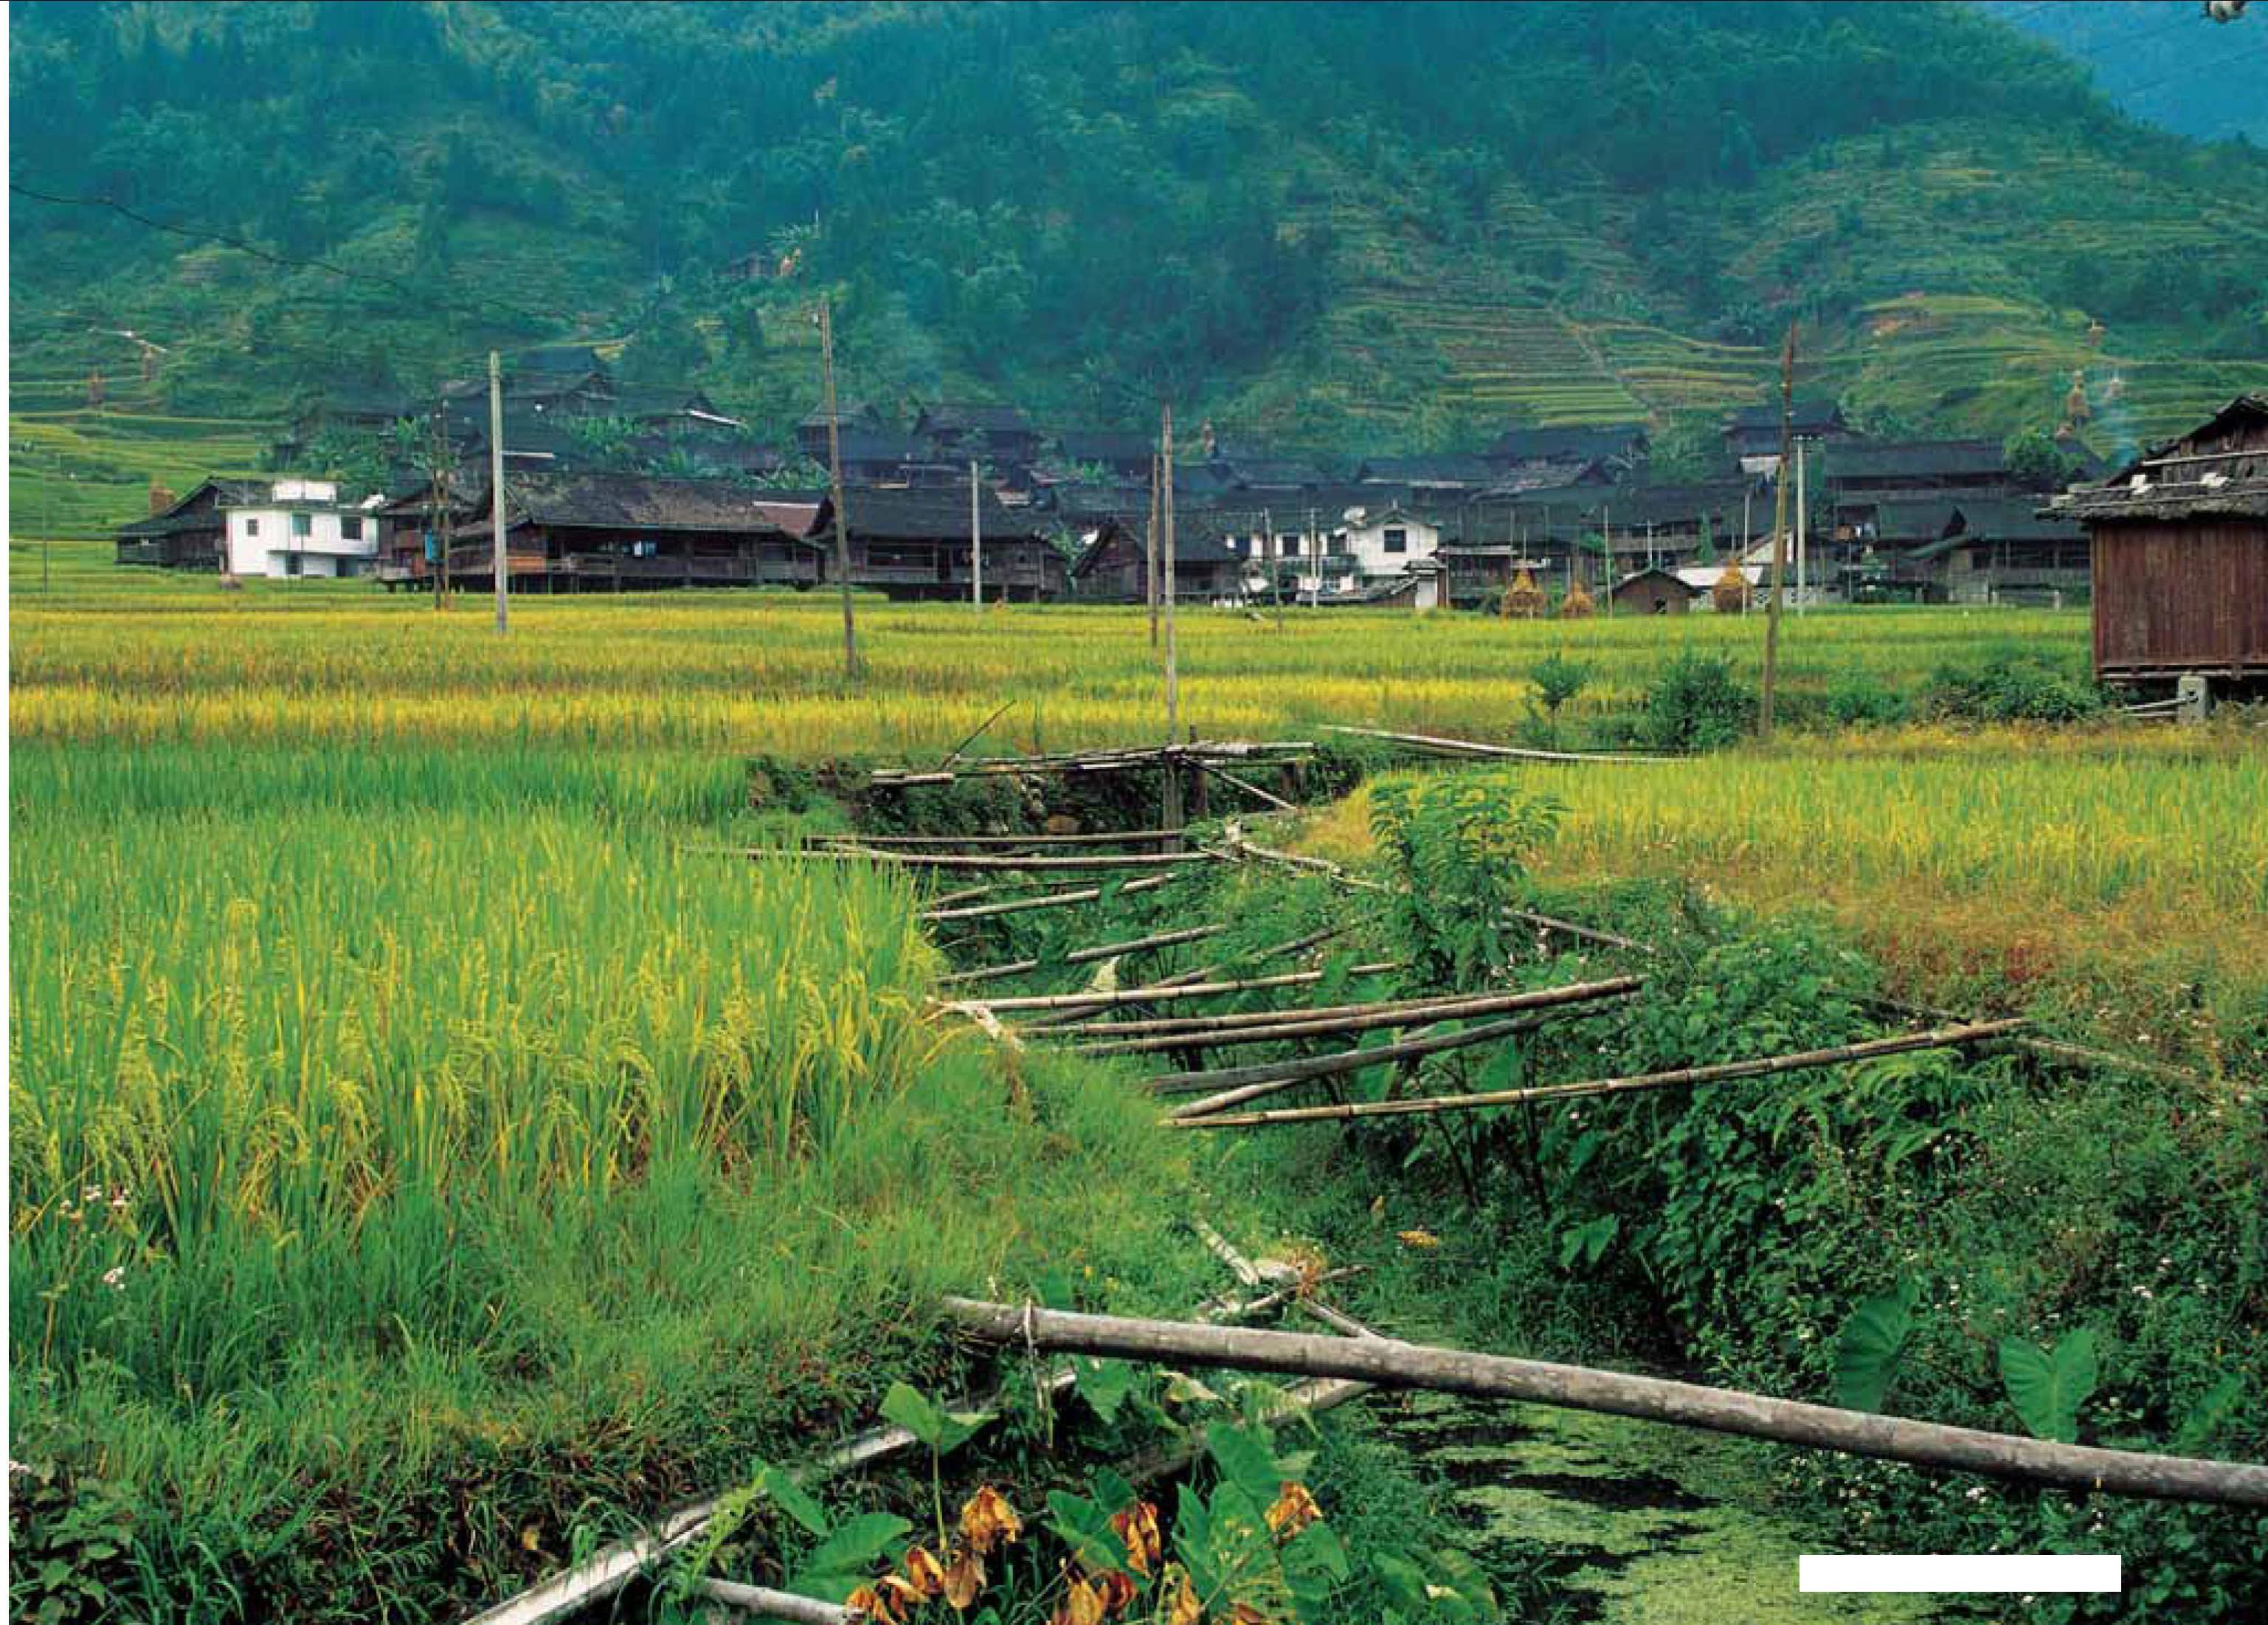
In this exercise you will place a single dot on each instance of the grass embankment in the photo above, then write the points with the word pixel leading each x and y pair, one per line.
pixel 420 1161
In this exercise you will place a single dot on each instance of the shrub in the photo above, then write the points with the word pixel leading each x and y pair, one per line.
pixel 1857 700
pixel 1697 703
pixel 2011 686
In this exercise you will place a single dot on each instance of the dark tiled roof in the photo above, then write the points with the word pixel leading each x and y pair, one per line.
pixel 647 502
pixel 1104 446
pixel 916 513
pixel 972 417
pixel 1857 462
pixel 1808 417
pixel 1427 471
pixel 1579 442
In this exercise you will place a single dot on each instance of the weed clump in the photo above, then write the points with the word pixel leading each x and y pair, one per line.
pixel 1697 703
pixel 2011 685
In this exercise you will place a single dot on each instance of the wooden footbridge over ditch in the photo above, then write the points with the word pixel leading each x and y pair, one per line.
pixel 1202 1088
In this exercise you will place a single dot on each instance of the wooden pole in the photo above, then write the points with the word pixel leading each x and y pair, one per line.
pixel 1098 838
pixel 1284 1073
pixel 975 541
pixel 1779 534
pixel 499 554
pixel 1803 536
pixel 1432 1106
pixel 1236 1021
pixel 1389 1362
pixel 1150 554
pixel 1002 864
pixel 1044 1026
pixel 1473 747
pixel 834 478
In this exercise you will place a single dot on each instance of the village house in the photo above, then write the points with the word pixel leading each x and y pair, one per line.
pixel 811 430
pixel 1448 478
pixel 1618 449
pixel 1218 558
pixel 1126 456
pixel 633 532
pixel 2003 550
pixel 1752 433
pixel 2179 546
pixel 286 528
pixel 915 543
pixel 960 431
pixel 1652 591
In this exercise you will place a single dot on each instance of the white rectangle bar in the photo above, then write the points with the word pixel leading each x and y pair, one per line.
pixel 1958 1571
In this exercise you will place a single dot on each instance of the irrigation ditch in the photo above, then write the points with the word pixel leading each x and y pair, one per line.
pixel 1106 906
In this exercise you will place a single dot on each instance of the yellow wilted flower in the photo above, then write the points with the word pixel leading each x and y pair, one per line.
pixel 1185 1609
pixel 1081 1605
pixel 964 1577
pixel 1138 1526
pixel 924 1572
pixel 1116 1591
pixel 987 1519
pixel 1424 1239
pixel 1294 1509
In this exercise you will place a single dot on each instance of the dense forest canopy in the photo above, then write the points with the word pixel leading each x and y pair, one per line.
pixel 1254 208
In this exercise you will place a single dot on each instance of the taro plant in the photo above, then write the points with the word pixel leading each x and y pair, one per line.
pixel 1459 849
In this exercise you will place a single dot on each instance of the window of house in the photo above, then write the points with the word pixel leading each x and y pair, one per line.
pixel 350 527
pixel 290 564
pixel 1397 540
pixel 252 525
pixel 303 525
pixel 1291 545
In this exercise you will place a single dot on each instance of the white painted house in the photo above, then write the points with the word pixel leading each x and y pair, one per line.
pixel 301 528
pixel 1366 547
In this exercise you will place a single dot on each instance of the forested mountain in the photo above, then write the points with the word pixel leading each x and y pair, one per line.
pixel 1335 223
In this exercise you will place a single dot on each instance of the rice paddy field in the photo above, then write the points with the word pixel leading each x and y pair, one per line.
pixel 424 1146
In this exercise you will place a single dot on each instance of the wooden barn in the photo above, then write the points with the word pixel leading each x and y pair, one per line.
pixel 1217 557
pixel 2179 544
pixel 1652 591
pixel 191 533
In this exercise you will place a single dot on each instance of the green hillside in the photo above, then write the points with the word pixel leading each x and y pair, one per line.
pixel 1362 226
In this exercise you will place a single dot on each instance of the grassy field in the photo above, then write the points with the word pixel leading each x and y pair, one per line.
pixel 417 1140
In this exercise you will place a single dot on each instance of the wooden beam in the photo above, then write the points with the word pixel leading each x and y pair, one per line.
pixel 1002 863
pixel 1282 1073
pixel 1389 1362
pixel 1051 899
pixel 1475 748
pixel 1946 1037
pixel 1098 838
pixel 761 1602
pixel 1044 1025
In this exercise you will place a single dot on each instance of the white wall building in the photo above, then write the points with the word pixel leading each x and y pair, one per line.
pixel 299 527
pixel 1365 546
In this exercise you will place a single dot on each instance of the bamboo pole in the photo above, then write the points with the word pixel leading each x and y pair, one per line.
pixel 1005 864
pixel 1052 899
pixel 1946 1038
pixel 1389 1362
pixel 1087 955
pixel 1473 747
pixel 1236 1021
pixel 1326 1066
pixel 1581 934
pixel 763 1603
pixel 1164 990
pixel 1100 837
pixel 1403 1014
pixel 1043 1026
pixel 1249 788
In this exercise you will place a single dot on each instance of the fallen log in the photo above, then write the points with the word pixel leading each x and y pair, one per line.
pixel 1389 1362
pixel 1429 1106
pixel 1046 900
pixel 1475 748
pixel 1407 1013
pixel 1167 990
pixel 1087 955
pixel 1236 1021
pixel 1228 777
pixel 1289 1072
pixel 1583 933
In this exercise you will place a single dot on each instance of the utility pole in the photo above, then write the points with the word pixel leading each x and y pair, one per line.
pixel 975 541
pixel 1172 809
pixel 1748 541
pixel 1149 553
pixel 1802 579
pixel 1779 533
pixel 1270 555
pixel 1606 540
pixel 834 478
pixel 496 492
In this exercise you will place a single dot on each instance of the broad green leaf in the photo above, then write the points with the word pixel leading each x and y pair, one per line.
pixel 791 1499
pixel 2214 1407
pixel 2048 1389
pixel 1084 1526
pixel 1245 1460
pixel 856 1547
pixel 915 1414
pixel 1872 1345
